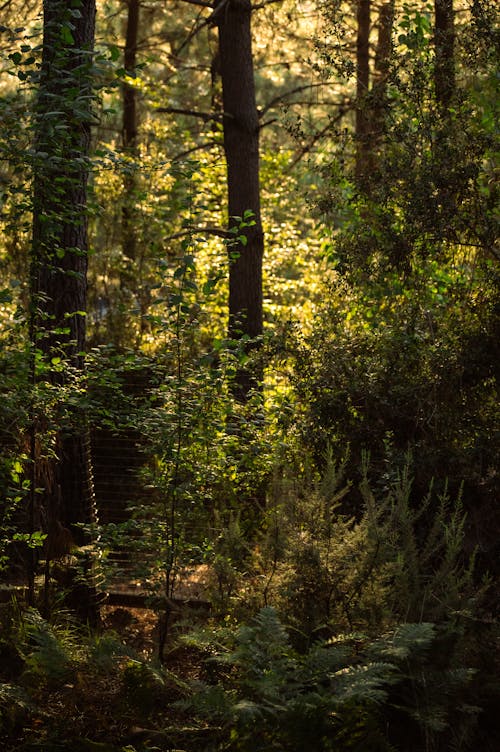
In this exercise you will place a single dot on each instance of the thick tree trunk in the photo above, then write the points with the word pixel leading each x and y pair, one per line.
pixel 241 144
pixel 62 140
pixel 444 43
pixel 59 250
pixel 362 127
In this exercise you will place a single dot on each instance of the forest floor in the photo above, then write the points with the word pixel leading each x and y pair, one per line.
pixel 131 703
pixel 108 711
pixel 137 627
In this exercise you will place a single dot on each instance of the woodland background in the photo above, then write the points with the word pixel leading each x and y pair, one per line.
pixel 249 325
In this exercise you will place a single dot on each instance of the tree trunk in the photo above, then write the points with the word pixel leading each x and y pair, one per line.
pixel 62 139
pixel 444 43
pixel 129 287
pixel 362 127
pixel 383 56
pixel 63 116
pixel 241 145
pixel 130 62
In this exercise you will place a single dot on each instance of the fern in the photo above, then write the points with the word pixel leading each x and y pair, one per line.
pixel 348 694
pixel 105 652
pixel 50 658
pixel 428 689
pixel 147 685
pixel 406 640
pixel 295 700
pixel 428 574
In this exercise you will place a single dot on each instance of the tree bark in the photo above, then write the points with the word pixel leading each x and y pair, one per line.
pixel 129 286
pixel 62 140
pixel 241 145
pixel 63 116
pixel 130 62
pixel 129 133
pixel 362 126
pixel 444 44
pixel 383 55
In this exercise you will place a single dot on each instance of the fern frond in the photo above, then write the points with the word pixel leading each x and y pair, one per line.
pixel 405 641
pixel 363 684
pixel 51 658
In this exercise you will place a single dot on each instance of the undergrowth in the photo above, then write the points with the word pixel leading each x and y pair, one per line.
pixel 331 633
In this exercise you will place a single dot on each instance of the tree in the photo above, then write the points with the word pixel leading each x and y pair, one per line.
pixel 408 357
pixel 371 87
pixel 63 116
pixel 363 124
pixel 444 43
pixel 128 276
pixel 241 146
pixel 130 124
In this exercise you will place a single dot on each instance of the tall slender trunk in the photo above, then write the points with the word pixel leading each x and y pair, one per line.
pixel 444 44
pixel 130 62
pixel 241 145
pixel 362 127
pixel 383 54
pixel 129 133
pixel 131 295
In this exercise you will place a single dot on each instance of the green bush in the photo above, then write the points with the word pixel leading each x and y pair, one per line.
pixel 407 366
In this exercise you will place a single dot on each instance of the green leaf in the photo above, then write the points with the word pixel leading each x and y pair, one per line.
pixel 32 540
pixel 114 53
pixel 209 286
pixel 66 35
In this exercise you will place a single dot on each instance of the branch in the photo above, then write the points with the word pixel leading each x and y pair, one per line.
pixel 263 4
pixel 197 27
pixel 217 9
pixel 187 152
pixel 205 116
pixel 201 3
pixel 218 231
pixel 268 122
pixel 316 137
pixel 280 97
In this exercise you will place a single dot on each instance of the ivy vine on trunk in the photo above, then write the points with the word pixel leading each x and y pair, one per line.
pixel 63 116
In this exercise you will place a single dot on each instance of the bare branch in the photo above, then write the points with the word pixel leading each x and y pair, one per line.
pixel 205 116
pixel 306 148
pixel 280 97
pixel 217 231
pixel 201 3
pixel 199 147
pixel 264 3
pixel 198 26
pixel 268 122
